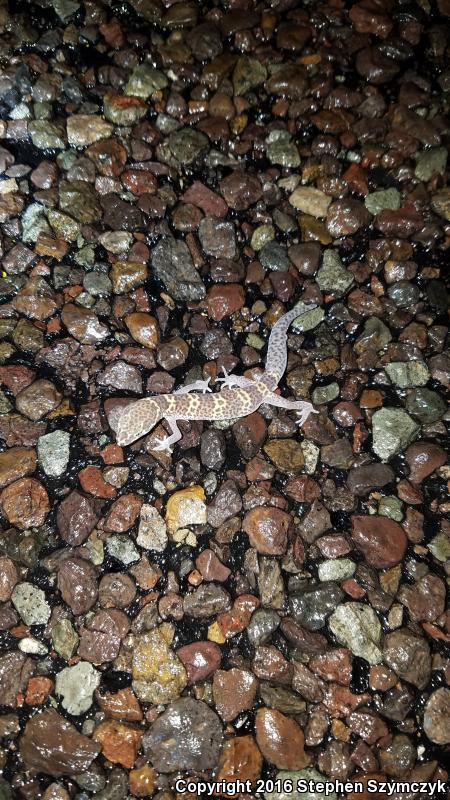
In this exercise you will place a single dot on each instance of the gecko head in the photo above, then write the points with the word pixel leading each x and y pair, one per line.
pixel 135 420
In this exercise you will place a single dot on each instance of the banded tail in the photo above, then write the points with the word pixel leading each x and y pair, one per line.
pixel 276 360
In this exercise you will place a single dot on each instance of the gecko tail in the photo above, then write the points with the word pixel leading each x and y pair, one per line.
pixel 276 360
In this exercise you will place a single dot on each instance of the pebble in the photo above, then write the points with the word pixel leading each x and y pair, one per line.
pixel 332 275
pixel 309 200
pixel 53 450
pixel 15 463
pixel 384 198
pixel 408 656
pixel 152 531
pixel 357 627
pixel 52 745
pixel 31 603
pixel 186 507
pixel 381 540
pixel 187 736
pixel 392 430
pixel 173 265
pixel 83 324
pixel 76 686
pixel 280 739
pixel 312 607
pixel 77 582
pixel 158 674
pixel 119 742
pixel 200 660
pixel 424 458
pixel 234 691
pixel 38 399
pixel 75 518
pixel 436 716
pixel 286 454
pixel 240 759
pixel 85 129
pixel 25 503
pixel 364 479
pixel 267 529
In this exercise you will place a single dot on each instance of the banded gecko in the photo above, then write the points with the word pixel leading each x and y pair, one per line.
pixel 238 397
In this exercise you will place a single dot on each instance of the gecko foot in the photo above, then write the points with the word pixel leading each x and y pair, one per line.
pixel 304 413
pixel 163 444
pixel 229 380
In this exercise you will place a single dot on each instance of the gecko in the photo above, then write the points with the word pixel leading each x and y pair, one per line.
pixel 238 397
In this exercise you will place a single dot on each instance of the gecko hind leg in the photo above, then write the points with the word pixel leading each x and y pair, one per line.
pixel 197 386
pixel 301 406
pixel 175 436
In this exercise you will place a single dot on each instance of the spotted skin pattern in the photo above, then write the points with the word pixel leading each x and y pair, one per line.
pixel 239 396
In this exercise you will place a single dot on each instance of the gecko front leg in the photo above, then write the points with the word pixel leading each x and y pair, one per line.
pixel 175 436
pixel 196 386
pixel 301 406
pixel 229 381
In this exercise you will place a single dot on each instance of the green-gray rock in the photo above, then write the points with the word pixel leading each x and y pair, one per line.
pixel 173 265
pixel 426 405
pixel 65 638
pixel 53 451
pixel 440 202
pixel 34 223
pixel 64 226
pixel 79 199
pixel 145 81
pixel 375 336
pixel 187 144
pixel 261 236
pixel 430 162
pixel 248 73
pixel 46 135
pixel 284 700
pixel 392 431
pixel 332 275
pixel 390 506
pixel 385 198
pixel 29 601
pixel 357 626
pixel 300 780
pixel 336 569
pixel 408 374
pixel 325 394
pixel 308 321
pixel 281 150
pixel 122 548
pixel 440 547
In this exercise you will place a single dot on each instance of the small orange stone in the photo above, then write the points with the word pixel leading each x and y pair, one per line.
pixel 93 482
pixel 237 620
pixel 112 454
pixel 120 743
pixel 38 689
pixel 371 398
pixel 142 781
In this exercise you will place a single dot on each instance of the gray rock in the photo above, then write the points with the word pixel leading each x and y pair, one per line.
pixel 325 394
pixel 30 603
pixel 187 144
pixel 426 405
pixel 313 607
pixel 46 135
pixel 408 374
pixel 248 73
pixel 392 431
pixel 357 627
pixel 430 162
pixel 404 293
pixel 385 198
pixel 332 275
pixel 53 452
pixel 274 257
pixel 217 238
pixel 187 736
pixel 76 686
pixel 375 336
pixel 262 624
pixel 152 533
pixel 362 480
pixel 336 569
pixel 172 264
pixel 120 546
pixel 145 81
pixel 281 150
pixel 409 656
